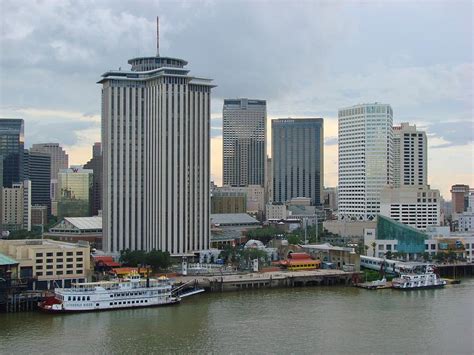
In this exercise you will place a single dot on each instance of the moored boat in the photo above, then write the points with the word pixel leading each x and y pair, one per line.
pixel 132 292
pixel 427 278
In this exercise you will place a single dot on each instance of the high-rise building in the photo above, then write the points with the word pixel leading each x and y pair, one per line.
pixel 37 168
pixel 59 160
pixel 95 164
pixel 459 198
pixel 11 150
pixel 268 181
pixel 155 142
pixel 244 148
pixel 75 190
pixel 298 159
pixel 16 206
pixel 365 159
pixel 416 206
pixel 409 156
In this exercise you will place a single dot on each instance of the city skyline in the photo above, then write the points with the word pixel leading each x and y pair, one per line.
pixel 425 78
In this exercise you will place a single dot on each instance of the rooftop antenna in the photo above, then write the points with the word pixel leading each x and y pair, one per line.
pixel 157 36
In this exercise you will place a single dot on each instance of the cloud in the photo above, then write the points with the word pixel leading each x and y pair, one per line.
pixel 453 133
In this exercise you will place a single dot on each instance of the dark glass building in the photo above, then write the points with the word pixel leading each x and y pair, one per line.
pixel 297 156
pixel 95 164
pixel 11 150
pixel 37 169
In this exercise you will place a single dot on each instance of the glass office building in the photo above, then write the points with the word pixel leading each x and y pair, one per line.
pixel 75 189
pixel 11 150
pixel 297 156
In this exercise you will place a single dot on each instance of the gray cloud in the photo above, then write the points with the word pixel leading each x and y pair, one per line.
pixel 455 133
pixel 304 58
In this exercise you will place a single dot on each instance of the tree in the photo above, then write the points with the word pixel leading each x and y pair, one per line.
pixel 264 234
pixel 132 258
pixel 388 254
pixel 426 256
pixel 373 245
pixel 23 234
pixel 228 254
pixel 366 248
pixel 294 239
pixel 158 259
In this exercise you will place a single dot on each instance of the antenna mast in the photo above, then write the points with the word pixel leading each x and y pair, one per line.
pixel 157 36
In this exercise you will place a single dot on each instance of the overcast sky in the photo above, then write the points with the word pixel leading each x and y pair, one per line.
pixel 306 58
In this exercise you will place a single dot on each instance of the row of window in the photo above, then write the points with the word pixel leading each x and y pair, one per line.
pixel 59 272
pixel 58 260
pixel 59 253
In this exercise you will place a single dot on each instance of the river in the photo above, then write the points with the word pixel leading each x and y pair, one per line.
pixel 329 320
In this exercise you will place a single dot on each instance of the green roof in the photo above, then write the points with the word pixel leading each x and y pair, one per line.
pixel 6 260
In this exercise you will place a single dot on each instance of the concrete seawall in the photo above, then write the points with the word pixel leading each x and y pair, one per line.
pixel 273 279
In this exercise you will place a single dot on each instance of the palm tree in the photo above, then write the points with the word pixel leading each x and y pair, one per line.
pixel 373 244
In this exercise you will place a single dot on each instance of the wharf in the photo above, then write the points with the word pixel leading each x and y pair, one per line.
pixel 273 279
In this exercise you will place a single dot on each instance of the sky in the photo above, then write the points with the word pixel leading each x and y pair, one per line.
pixel 306 58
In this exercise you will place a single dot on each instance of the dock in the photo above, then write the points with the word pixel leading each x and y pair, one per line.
pixel 274 279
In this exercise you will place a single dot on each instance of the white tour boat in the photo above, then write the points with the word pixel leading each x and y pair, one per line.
pixel 427 279
pixel 106 295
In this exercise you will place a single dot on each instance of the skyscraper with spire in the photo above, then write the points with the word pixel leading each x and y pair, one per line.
pixel 155 141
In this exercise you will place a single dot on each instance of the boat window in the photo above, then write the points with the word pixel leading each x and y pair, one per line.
pixel 69 298
pixel 74 298
pixel 111 295
pixel 97 305
pixel 88 298
pixel 111 303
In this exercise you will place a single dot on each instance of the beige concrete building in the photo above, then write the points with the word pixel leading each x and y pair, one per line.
pixel 416 206
pixel 50 263
pixel 16 206
pixel 348 228
pixel 409 156
pixel 277 211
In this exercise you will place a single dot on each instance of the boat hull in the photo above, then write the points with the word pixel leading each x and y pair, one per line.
pixel 418 287
pixel 46 309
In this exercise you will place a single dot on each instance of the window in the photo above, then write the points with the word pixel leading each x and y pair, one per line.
pixel 39 255
pixel 39 274
pixel 59 253
pixel 69 253
pixel 39 261
pixel 49 267
pixel 69 266
pixel 39 267
pixel 59 272
pixel 49 273
pixel 59 260
pixel 49 260
pixel 49 254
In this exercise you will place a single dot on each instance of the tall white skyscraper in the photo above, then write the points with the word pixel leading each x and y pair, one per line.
pixel 244 137
pixel 155 141
pixel 409 156
pixel 365 159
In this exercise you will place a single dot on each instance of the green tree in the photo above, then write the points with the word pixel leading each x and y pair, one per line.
pixel 24 234
pixel 132 257
pixel 228 254
pixel 294 239
pixel 158 260
pixel 264 234
pixel 388 254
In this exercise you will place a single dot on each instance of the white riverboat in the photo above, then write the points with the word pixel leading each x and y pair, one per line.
pixel 427 278
pixel 131 292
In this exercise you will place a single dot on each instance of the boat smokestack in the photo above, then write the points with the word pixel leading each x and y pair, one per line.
pixel 157 36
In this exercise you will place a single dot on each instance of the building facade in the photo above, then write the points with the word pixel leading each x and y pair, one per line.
pixel 12 142
pixel 37 169
pixel 49 262
pixel 416 206
pixel 59 160
pixel 75 192
pixel 409 156
pixel 95 164
pixel 365 159
pixel 39 215
pixel 155 141
pixel 228 202
pixel 459 198
pixel 16 206
pixel 244 142
pixel 298 159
